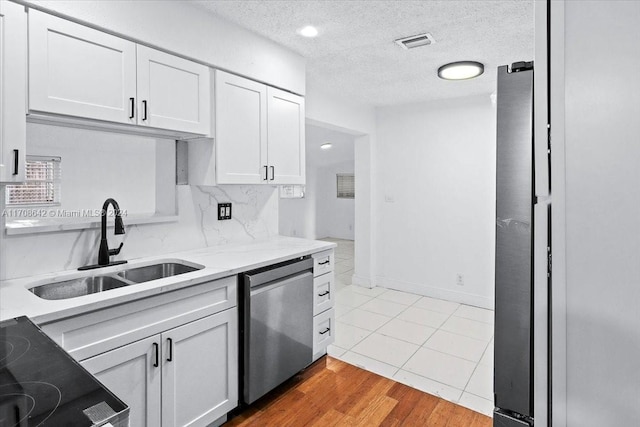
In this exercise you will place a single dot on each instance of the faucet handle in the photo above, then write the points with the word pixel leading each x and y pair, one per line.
pixel 116 251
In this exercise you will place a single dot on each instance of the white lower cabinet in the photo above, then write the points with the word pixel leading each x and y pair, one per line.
pixel 186 376
pixel 323 298
pixel 323 331
pixel 130 374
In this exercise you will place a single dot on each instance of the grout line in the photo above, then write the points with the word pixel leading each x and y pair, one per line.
pixel 476 367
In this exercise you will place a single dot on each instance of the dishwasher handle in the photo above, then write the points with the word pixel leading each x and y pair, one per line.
pixel 279 271
pixel 266 287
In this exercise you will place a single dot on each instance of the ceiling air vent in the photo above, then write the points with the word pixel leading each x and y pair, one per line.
pixel 415 41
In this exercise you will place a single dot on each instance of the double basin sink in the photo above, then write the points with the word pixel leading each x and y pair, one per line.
pixel 99 283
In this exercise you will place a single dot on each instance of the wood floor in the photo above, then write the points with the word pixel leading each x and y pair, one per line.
pixel 334 393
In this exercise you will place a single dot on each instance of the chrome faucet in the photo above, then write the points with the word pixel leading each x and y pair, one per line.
pixel 105 252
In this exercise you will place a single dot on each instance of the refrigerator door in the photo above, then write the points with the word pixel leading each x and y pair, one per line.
pixel 513 360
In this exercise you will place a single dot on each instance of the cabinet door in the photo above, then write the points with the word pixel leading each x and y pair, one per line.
pixel 199 372
pixel 129 373
pixel 78 71
pixel 173 93
pixel 13 91
pixel 286 137
pixel 241 130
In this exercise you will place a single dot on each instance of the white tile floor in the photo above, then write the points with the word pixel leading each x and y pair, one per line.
pixel 440 347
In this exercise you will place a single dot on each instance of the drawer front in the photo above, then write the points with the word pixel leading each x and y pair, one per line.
pixel 323 293
pixel 323 330
pixel 322 263
pixel 93 333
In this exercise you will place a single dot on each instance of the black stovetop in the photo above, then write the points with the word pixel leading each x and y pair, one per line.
pixel 41 385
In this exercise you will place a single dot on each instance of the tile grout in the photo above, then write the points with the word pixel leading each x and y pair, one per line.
pixel 369 333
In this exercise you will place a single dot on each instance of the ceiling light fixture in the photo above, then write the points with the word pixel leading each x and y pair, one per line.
pixel 326 146
pixel 308 31
pixel 461 70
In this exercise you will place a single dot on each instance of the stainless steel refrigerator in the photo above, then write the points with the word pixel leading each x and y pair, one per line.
pixel 513 361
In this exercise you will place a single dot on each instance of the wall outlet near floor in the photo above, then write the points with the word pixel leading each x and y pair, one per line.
pixel 459 279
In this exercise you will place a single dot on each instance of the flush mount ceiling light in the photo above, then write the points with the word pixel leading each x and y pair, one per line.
pixel 461 70
pixel 308 31
pixel 326 146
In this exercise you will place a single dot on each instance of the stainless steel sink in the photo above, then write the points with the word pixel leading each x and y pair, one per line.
pixel 93 284
pixel 156 271
pixel 78 287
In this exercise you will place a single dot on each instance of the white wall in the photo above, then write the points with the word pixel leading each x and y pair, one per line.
pixel 96 166
pixel 335 217
pixel 599 112
pixel 297 217
pixel 360 121
pixel 436 199
pixel 192 32
pixel 320 213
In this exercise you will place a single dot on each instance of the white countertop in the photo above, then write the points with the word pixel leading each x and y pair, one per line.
pixel 218 261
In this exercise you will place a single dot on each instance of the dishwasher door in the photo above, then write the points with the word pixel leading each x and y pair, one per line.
pixel 278 336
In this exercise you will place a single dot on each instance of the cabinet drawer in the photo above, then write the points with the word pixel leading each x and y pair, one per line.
pixel 323 293
pixel 323 330
pixel 322 263
pixel 93 333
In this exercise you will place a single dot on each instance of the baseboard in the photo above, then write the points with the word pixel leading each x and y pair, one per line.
pixel 434 292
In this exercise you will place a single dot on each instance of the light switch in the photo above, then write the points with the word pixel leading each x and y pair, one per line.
pixel 224 211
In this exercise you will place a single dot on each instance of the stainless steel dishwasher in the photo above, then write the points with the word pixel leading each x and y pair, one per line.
pixel 276 333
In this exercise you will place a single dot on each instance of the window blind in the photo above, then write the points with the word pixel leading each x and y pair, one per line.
pixel 346 185
pixel 41 186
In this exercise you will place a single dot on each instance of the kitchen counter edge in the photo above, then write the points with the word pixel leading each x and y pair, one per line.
pixel 218 262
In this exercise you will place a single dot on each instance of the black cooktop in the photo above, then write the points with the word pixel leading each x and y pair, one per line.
pixel 41 385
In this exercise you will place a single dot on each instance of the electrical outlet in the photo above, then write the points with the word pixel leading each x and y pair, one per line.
pixel 459 279
pixel 224 211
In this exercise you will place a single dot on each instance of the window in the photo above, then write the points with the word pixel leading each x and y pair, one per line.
pixel 346 186
pixel 41 186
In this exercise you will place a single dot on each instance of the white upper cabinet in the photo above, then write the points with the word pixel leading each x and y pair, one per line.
pixel 240 130
pixel 259 133
pixel 285 124
pixel 173 93
pixel 79 71
pixel 13 91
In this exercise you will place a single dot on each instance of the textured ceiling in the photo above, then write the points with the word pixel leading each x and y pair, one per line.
pixel 354 55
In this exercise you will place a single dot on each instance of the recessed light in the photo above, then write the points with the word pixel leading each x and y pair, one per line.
pixel 326 146
pixel 308 31
pixel 461 70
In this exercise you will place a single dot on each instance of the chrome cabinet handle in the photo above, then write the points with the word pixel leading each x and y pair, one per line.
pixel 266 173
pixel 324 262
pixel 325 331
pixel 132 113
pixel 273 173
pixel 170 357
pixel 156 348
pixel 323 294
pixel 16 161
pixel 144 110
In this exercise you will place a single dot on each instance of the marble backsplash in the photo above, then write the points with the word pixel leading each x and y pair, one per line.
pixel 255 217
